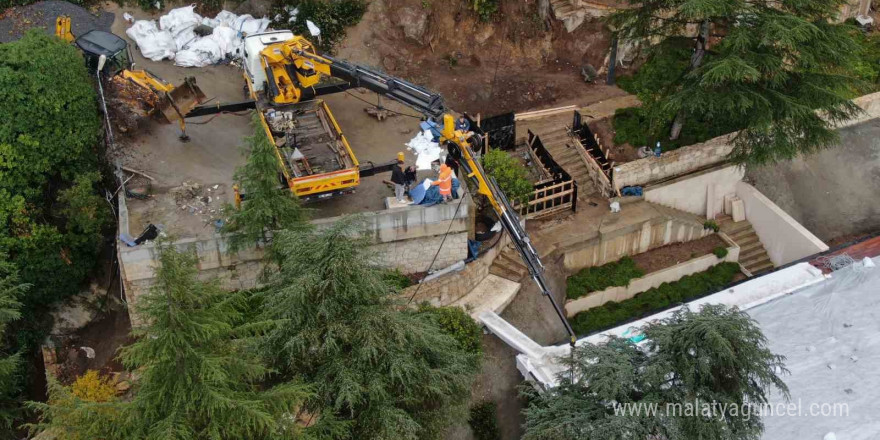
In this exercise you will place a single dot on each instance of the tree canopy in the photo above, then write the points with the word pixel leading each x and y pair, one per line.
pixel 717 356
pixel 268 206
pixel 11 291
pixel 200 376
pixel 777 71
pixel 393 372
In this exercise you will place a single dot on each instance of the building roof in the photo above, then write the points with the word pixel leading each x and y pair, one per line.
pixel 830 336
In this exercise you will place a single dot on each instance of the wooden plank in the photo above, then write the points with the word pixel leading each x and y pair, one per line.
pixel 543 113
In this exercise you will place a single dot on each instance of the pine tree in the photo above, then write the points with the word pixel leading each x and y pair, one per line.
pixel 200 374
pixel 267 205
pixel 777 64
pixel 10 291
pixel 717 355
pixel 391 371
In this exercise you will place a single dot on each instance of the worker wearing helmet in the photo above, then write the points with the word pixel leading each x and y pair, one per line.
pixel 444 182
pixel 398 178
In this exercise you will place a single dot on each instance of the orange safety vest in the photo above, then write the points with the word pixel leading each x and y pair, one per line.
pixel 445 182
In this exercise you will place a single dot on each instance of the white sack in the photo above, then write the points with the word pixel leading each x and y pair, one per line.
pixel 154 44
pixel 313 28
pixel 226 38
pixel 184 38
pixel 247 24
pixel 201 52
pixel 425 149
pixel 226 18
pixel 179 20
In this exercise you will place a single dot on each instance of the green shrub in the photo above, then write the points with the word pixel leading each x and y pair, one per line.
pixel 594 279
pixel 511 175
pixel 711 224
pixel 397 279
pixel 688 288
pixel 332 17
pixel 485 9
pixel 720 251
pixel 458 324
pixel 484 421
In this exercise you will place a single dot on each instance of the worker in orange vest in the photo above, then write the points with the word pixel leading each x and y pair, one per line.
pixel 444 181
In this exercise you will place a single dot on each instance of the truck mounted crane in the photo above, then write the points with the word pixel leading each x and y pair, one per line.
pixel 284 70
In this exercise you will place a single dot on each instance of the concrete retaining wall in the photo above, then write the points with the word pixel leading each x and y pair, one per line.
pixel 406 239
pixel 632 240
pixel 714 151
pixel 451 287
pixel 782 236
pixel 673 163
pixel 696 193
pixel 651 280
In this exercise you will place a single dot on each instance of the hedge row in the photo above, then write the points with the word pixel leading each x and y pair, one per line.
pixel 598 278
pixel 613 314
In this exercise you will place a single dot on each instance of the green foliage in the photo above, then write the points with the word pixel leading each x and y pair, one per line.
pixel 867 68
pixel 656 78
pixel 484 421
pixel 511 175
pixel 458 324
pixel 51 220
pixel 597 278
pixel 331 16
pixel 390 371
pixel 711 224
pixel 198 369
pixel 768 77
pixel 689 287
pixel 715 356
pixel 485 9
pixel 11 290
pixel 268 205
pixel 396 279
pixel 720 251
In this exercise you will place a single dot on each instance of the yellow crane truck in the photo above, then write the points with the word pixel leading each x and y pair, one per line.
pixel 285 76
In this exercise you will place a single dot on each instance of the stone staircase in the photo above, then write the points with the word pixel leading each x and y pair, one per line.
pixel 562 147
pixel 752 255
pixel 509 265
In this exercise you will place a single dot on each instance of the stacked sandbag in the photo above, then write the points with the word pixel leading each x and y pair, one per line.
pixel 175 36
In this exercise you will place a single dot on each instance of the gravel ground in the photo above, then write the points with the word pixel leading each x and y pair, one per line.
pixel 15 21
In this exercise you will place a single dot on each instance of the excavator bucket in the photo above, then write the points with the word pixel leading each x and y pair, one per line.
pixel 176 103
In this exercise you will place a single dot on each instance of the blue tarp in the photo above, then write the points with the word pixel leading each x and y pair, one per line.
pixel 631 191
pixel 436 130
pixel 430 196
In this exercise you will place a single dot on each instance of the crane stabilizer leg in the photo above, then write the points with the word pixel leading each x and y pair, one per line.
pixel 510 221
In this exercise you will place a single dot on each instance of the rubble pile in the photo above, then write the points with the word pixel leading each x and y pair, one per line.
pixel 199 199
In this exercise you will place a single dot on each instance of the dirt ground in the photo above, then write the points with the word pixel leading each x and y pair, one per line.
pixel 509 64
pixel 605 130
pixel 672 254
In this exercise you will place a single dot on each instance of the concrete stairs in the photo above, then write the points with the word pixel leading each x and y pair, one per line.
pixel 752 255
pixel 561 146
pixel 509 265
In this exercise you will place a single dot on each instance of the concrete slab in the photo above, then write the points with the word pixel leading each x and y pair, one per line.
pixel 493 294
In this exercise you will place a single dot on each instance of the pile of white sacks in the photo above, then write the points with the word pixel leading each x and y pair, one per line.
pixel 175 38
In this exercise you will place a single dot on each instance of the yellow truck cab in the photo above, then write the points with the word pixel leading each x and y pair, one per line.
pixel 316 159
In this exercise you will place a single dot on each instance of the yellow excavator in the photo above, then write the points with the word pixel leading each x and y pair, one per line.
pixel 108 55
pixel 284 73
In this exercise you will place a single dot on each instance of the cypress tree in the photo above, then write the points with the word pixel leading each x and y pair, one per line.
pixel 392 372
pixel 268 205
pixel 777 64
pixel 715 356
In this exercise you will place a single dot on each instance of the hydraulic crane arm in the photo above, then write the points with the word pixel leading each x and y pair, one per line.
pixel 458 145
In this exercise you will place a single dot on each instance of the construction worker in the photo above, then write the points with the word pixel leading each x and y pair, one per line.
pixel 462 124
pixel 444 182
pixel 398 178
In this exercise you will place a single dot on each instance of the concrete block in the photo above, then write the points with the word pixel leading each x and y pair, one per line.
pixel 738 211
